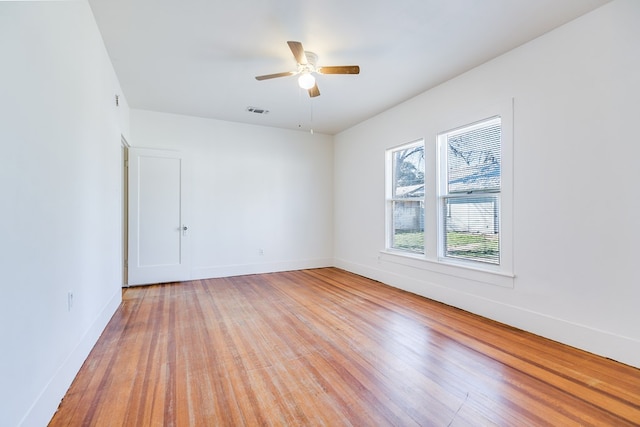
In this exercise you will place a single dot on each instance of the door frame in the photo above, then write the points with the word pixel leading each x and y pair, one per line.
pixel 124 223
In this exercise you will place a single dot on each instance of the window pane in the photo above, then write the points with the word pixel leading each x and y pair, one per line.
pixel 408 226
pixel 473 159
pixel 408 172
pixel 472 228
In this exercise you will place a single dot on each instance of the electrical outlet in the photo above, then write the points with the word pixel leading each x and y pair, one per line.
pixel 69 300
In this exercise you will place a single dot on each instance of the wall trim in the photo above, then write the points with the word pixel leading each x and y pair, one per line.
pixel 606 344
pixel 46 404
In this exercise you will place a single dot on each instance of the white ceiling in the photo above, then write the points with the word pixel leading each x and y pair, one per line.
pixel 199 57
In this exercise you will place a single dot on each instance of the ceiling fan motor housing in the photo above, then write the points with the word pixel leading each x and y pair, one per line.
pixel 310 66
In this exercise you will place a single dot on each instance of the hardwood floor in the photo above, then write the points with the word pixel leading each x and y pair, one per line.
pixel 326 347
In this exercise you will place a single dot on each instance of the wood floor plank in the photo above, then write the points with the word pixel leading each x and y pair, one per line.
pixel 324 347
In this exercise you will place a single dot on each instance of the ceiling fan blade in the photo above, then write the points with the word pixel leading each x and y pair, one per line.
pixel 314 91
pixel 298 52
pixel 273 76
pixel 345 69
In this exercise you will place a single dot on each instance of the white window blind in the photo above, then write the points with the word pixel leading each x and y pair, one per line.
pixel 470 200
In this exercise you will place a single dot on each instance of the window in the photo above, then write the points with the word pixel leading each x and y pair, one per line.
pixel 469 192
pixel 405 198
pixel 449 197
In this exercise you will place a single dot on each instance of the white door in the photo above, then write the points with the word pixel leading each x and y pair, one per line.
pixel 157 226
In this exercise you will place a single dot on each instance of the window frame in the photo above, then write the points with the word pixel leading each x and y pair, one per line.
pixel 391 199
pixel 444 194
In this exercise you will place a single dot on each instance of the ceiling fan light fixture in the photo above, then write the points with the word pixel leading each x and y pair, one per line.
pixel 306 81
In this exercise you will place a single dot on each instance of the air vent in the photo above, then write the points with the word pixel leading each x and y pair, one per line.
pixel 257 110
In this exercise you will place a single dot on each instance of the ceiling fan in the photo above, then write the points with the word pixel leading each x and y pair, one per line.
pixel 307 66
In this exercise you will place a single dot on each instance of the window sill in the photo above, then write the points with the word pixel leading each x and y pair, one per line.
pixel 450 268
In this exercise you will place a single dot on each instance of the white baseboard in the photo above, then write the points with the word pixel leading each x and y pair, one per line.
pixel 622 349
pixel 272 267
pixel 45 406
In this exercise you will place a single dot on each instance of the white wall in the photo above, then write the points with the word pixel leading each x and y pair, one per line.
pixel 250 188
pixel 61 213
pixel 576 201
